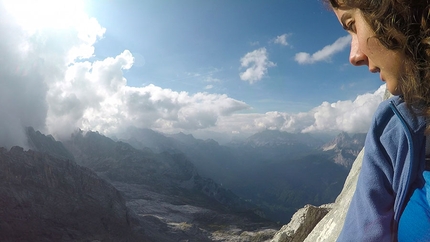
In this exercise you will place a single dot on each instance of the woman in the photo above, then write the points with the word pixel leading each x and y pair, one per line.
pixel 391 37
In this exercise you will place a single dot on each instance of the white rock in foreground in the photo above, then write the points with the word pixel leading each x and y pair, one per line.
pixel 302 222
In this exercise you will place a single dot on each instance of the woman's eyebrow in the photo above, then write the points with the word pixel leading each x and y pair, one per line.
pixel 343 19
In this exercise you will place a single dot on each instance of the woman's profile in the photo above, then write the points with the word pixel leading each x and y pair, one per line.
pixel 392 38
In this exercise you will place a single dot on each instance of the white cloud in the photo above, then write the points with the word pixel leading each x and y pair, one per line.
pixel 348 116
pixel 325 53
pixel 96 97
pixel 256 63
pixel 162 109
pixel 282 40
pixel 87 89
pixel 209 87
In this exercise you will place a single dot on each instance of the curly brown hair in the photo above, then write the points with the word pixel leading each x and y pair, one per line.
pixel 402 25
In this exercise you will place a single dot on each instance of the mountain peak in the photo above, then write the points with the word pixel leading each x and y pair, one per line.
pixel 345 147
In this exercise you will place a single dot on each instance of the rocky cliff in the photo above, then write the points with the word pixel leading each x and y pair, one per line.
pixel 43 198
pixel 324 223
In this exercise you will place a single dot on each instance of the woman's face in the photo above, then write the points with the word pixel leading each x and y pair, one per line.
pixel 367 50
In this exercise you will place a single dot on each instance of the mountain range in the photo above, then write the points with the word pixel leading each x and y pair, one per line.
pixel 278 171
pixel 171 187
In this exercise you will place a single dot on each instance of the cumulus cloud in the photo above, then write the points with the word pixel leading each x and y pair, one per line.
pixel 95 96
pixel 349 116
pixel 282 40
pixel 256 63
pixel 325 53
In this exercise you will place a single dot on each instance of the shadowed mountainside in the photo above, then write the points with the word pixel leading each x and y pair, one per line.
pixel 43 198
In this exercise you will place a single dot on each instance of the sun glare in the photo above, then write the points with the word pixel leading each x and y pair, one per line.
pixel 39 14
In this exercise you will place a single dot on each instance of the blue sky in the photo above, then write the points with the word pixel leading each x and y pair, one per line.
pixel 213 68
pixel 196 46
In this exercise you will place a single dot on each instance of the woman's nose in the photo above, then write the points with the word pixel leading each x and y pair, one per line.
pixel 356 56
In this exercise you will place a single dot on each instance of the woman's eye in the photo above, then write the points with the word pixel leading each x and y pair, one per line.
pixel 350 26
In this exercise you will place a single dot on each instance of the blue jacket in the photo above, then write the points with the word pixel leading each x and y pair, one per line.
pixel 393 161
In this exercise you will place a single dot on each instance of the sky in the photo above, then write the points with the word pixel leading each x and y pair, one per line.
pixel 214 68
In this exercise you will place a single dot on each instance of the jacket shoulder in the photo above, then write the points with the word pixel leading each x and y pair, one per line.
pixel 395 106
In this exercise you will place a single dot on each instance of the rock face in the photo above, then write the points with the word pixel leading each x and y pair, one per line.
pixel 308 225
pixel 43 198
pixel 302 223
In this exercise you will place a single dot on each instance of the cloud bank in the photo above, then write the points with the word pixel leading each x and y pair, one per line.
pixel 349 116
pixel 50 82
pixel 325 53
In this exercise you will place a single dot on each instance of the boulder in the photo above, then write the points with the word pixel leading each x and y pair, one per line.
pixel 302 223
